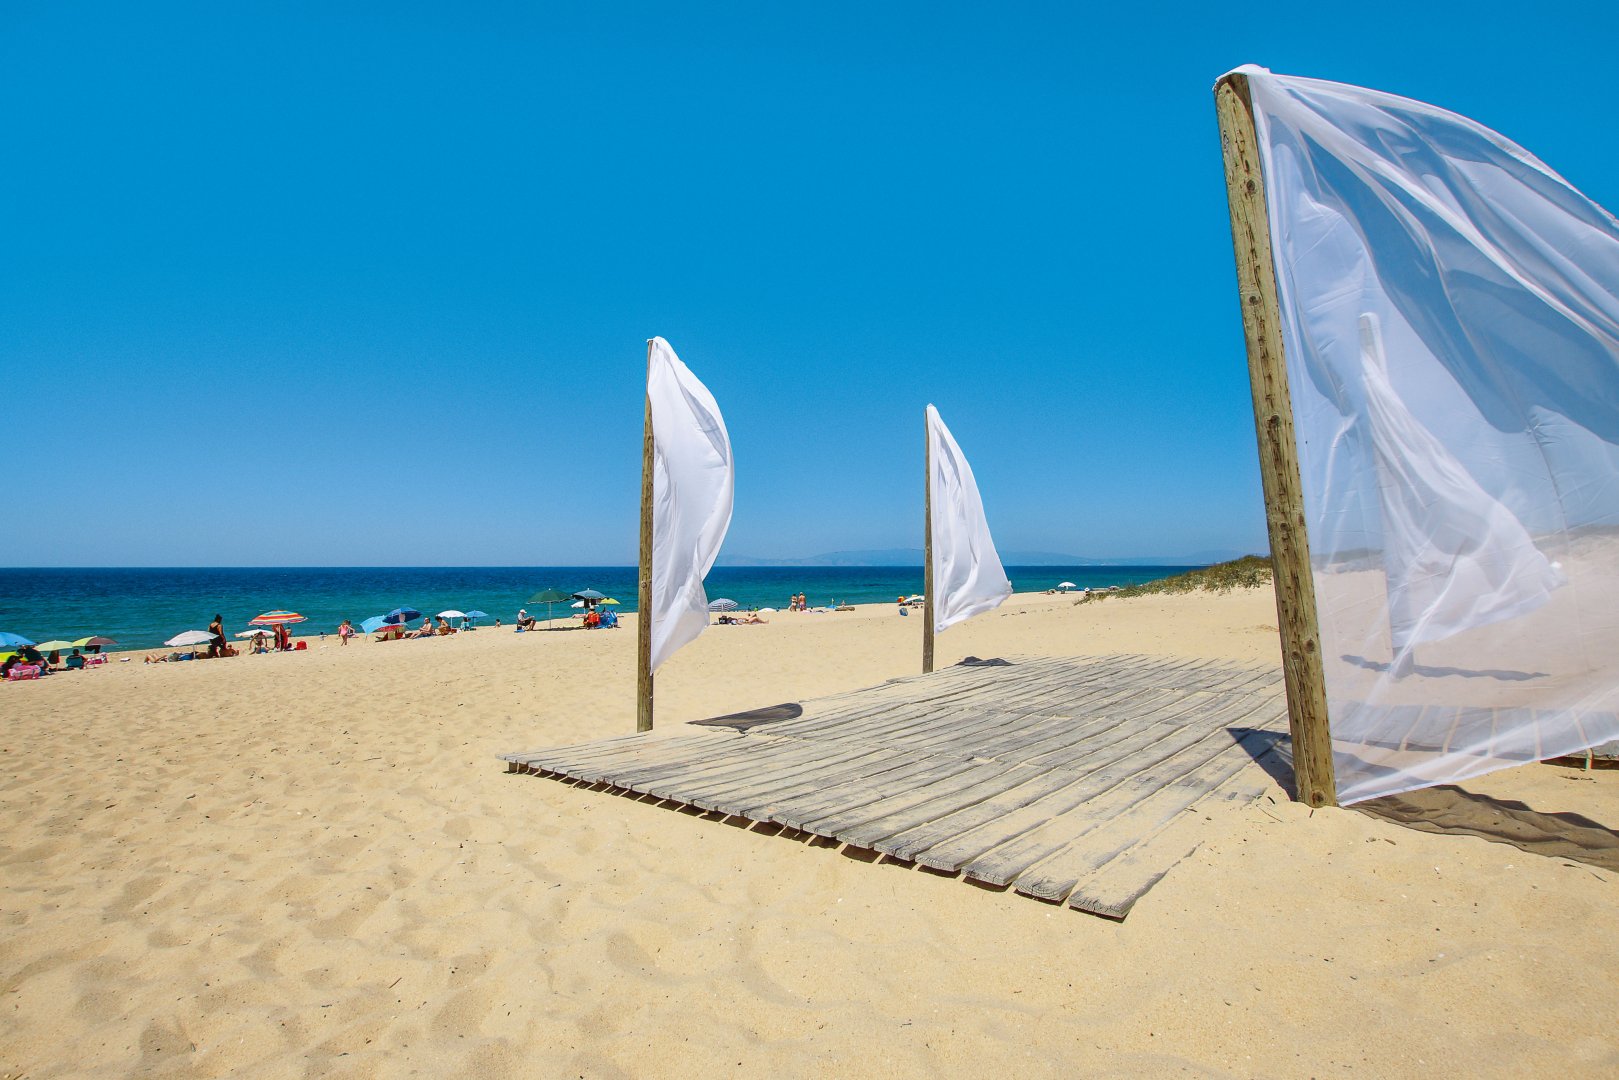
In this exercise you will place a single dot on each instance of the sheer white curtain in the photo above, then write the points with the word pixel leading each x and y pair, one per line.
pixel 1450 313
pixel 692 481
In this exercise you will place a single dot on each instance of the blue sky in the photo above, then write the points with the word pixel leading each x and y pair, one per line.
pixel 372 285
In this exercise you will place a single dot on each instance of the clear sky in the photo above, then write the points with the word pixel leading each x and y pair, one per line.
pixel 283 285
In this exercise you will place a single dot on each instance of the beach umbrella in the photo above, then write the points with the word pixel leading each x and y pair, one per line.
pixel 452 614
pixel 375 623
pixel 1067 585
pixel 611 601
pixel 577 603
pixel 402 615
pixel 257 632
pixel 94 639
pixel 190 637
pixel 277 618
pixel 12 640
pixel 589 594
pixel 53 646
pixel 722 604
pixel 548 596
pixel 477 614
pixel 767 611
pixel 917 599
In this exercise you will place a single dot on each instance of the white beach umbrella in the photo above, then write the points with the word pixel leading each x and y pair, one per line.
pixel 452 614
pixel 191 637
pixel 1066 585
pixel 259 632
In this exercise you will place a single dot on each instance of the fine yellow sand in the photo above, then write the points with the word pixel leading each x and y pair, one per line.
pixel 313 865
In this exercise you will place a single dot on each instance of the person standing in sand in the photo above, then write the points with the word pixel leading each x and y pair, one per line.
pixel 344 632
pixel 216 647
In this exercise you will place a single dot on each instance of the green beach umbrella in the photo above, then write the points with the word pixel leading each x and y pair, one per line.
pixel 53 646
pixel 552 595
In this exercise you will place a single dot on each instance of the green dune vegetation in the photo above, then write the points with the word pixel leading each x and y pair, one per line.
pixel 1248 572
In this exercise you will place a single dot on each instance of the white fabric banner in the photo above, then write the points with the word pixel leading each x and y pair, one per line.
pixel 967 575
pixel 1450 315
pixel 692 479
pixel 1456 557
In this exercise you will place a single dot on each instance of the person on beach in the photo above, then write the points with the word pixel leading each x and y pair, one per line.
pixel 216 647
pixel 344 632
pixel 76 661
pixel 283 638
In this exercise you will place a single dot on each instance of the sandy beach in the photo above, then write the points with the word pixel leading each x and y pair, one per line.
pixel 312 864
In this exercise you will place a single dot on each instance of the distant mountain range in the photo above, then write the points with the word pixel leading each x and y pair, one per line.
pixel 913 557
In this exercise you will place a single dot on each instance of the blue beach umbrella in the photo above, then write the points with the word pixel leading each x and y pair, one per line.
pixel 474 616
pixel 375 623
pixel 10 641
pixel 402 614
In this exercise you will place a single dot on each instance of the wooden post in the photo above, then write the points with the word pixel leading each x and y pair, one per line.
pixel 927 546
pixel 1313 773
pixel 643 602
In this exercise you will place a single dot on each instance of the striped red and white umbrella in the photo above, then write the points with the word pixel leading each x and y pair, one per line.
pixel 277 618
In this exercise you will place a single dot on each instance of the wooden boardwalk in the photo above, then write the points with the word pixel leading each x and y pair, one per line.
pixel 1066 779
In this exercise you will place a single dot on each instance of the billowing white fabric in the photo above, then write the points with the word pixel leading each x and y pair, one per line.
pixel 967 574
pixel 692 478
pixel 1450 314
pixel 1455 557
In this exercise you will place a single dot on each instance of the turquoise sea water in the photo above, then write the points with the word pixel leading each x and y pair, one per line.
pixel 140 608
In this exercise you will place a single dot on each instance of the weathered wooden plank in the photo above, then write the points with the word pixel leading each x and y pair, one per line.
pixel 1098 841
pixel 880 766
pixel 697 748
pixel 764 754
pixel 603 745
pixel 1113 892
pixel 878 821
pixel 786 811
pixel 810 801
pixel 1000 850
pixel 777 775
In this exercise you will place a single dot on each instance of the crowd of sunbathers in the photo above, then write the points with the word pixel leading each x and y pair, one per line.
pixel 29 661
pixel 400 631
pixel 592 618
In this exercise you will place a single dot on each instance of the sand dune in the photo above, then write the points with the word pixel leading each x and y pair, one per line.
pixel 313 865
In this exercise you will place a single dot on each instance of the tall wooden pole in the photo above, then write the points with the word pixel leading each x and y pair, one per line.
pixel 643 603
pixel 1278 451
pixel 927 546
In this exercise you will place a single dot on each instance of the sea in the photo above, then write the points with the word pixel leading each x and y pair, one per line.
pixel 140 608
